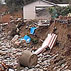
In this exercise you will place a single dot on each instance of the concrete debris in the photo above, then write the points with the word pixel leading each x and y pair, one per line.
pixel 15 38
pixel 56 59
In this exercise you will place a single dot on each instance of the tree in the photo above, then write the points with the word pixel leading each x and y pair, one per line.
pixel 17 4
pixel 0 2
pixel 14 5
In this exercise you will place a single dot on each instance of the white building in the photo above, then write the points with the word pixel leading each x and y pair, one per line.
pixel 29 11
pixel 2 1
pixel 63 5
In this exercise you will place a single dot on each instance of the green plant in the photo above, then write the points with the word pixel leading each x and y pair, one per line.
pixel 34 41
pixel 56 11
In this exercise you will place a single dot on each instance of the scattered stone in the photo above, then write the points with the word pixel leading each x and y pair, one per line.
pixel 45 69
pixel 40 69
pixel 67 70
pixel 37 66
pixel 31 69
pixel 15 38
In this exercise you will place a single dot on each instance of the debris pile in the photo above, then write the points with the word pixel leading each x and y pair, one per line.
pixel 13 42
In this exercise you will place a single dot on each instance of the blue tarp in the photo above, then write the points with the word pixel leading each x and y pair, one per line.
pixel 32 30
pixel 26 38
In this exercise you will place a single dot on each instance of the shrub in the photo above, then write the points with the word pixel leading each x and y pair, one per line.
pixel 56 11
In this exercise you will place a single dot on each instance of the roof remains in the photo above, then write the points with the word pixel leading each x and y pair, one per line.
pixel 48 2
pixel 51 3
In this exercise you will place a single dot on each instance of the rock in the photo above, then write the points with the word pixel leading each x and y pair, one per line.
pixel 45 62
pixel 45 69
pixel 66 67
pixel 26 68
pixel 15 38
pixel 59 69
pixel 21 70
pixel 17 43
pixel 0 35
pixel 67 70
pixel 40 69
pixel 55 68
pixel 48 56
pixel 40 55
pixel 37 66
pixel 39 62
pixel 63 65
pixel 31 69
pixel 7 44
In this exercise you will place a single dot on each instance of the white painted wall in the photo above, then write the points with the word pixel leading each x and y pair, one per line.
pixel 3 1
pixel 29 10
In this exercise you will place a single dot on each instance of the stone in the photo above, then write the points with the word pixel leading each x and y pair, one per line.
pixel 37 66
pixel 40 69
pixel 45 62
pixel 7 44
pixel 67 70
pixel 45 69
pixel 59 69
pixel 15 38
pixel 31 69
pixel 66 67
pixel 22 70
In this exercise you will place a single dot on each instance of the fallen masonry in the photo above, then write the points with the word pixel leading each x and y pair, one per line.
pixel 57 58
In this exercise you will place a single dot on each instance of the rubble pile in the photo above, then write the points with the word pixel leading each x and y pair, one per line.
pixel 8 54
pixel 56 59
